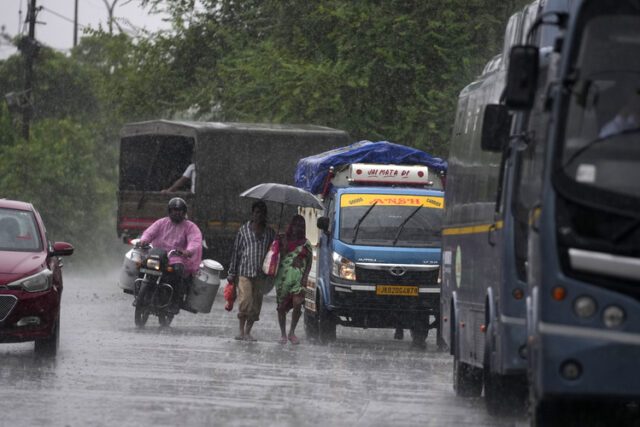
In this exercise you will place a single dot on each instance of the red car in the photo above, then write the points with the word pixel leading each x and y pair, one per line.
pixel 30 278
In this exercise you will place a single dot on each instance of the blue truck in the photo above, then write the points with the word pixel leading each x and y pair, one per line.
pixel 377 242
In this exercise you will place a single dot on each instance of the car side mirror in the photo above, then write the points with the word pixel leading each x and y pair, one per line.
pixel 496 124
pixel 62 249
pixel 522 77
pixel 323 223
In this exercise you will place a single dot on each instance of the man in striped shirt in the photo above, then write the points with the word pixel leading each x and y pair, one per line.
pixel 245 269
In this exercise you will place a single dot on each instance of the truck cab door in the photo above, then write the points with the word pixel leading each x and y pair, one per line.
pixel 323 263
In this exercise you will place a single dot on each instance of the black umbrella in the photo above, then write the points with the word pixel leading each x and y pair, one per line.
pixel 284 194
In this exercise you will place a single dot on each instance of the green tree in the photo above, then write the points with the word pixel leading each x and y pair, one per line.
pixel 378 69
pixel 61 86
pixel 56 171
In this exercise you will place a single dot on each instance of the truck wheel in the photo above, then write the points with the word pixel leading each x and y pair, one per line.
pixel 48 347
pixel 310 324
pixel 326 324
pixel 440 343
pixel 467 379
pixel 419 337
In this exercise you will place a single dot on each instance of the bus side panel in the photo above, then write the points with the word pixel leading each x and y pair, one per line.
pixel 475 265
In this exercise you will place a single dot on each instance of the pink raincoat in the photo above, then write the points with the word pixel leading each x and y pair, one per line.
pixel 183 236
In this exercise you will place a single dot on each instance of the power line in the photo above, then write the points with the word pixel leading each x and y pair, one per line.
pixel 53 12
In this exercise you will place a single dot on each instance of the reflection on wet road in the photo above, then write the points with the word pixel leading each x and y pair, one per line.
pixel 110 373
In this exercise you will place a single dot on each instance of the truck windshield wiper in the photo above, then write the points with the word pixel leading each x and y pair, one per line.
pixel 357 227
pixel 401 227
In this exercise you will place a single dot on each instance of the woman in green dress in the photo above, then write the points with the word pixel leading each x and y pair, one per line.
pixel 291 278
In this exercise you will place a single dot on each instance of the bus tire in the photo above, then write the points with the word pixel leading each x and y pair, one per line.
pixel 503 394
pixel 467 379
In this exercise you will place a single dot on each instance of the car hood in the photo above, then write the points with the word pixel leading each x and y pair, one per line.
pixel 14 265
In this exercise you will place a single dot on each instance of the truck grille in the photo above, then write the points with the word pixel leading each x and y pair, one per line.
pixel 7 302
pixel 384 277
pixel 370 301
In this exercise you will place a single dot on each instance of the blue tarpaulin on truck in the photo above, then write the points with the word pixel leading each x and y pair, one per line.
pixel 312 171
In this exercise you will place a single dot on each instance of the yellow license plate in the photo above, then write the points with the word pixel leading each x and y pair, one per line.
pixel 397 290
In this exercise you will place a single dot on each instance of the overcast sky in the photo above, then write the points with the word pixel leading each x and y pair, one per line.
pixel 55 27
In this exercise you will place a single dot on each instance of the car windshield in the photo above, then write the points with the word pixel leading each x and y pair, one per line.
pixel 18 231
pixel 602 138
pixel 382 225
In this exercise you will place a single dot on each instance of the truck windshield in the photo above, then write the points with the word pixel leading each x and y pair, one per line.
pixel 602 136
pixel 18 231
pixel 380 226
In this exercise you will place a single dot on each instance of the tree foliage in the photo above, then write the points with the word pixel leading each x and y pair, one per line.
pixel 56 171
pixel 378 69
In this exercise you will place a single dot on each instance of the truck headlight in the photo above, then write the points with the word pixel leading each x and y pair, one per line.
pixel 343 267
pixel 36 283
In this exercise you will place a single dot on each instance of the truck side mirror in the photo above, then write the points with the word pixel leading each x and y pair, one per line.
pixel 496 125
pixel 323 223
pixel 522 77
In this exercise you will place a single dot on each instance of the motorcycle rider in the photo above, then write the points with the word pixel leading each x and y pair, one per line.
pixel 176 232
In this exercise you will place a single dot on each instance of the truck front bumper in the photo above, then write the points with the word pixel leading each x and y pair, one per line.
pixel 362 305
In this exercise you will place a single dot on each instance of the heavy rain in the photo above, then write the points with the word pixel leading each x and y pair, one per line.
pixel 108 372
pixel 340 213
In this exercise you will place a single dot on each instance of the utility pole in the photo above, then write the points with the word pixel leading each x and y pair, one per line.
pixel 29 51
pixel 75 26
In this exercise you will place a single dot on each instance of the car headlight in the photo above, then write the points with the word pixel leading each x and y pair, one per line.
pixel 343 267
pixel 153 263
pixel 36 283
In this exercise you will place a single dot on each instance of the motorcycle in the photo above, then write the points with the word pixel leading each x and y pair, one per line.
pixel 145 273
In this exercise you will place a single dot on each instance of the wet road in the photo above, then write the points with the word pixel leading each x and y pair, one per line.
pixel 109 373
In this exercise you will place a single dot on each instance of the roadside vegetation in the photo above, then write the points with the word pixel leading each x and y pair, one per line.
pixel 381 70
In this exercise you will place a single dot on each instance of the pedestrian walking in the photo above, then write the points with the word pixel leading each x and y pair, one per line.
pixel 291 277
pixel 245 269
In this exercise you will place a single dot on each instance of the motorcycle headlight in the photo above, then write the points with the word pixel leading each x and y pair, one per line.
pixel 343 267
pixel 153 263
pixel 36 283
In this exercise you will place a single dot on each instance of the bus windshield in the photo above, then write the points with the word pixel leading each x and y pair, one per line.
pixel 602 136
pixel 395 220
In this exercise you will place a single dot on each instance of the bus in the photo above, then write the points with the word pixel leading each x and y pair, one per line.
pixel 485 232
pixel 580 187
